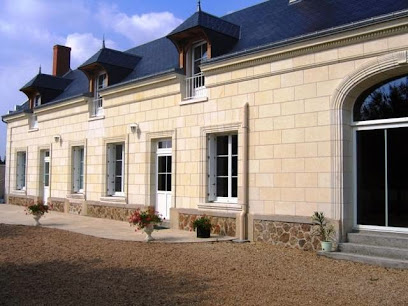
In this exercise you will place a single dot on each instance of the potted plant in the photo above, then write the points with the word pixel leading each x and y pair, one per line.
pixel 203 226
pixel 323 230
pixel 37 211
pixel 145 220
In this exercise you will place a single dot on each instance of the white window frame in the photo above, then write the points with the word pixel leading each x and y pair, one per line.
pixel 97 106
pixel 78 168
pixel 33 122
pixel 212 169
pixel 21 170
pixel 194 80
pixel 111 169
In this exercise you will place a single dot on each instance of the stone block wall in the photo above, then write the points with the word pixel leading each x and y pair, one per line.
pixel 222 226
pixel 294 235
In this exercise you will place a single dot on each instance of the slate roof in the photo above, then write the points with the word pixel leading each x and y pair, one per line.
pixel 263 25
pixel 208 21
pixel 47 81
pixel 114 58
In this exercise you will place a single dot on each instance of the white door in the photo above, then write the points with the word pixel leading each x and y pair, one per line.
pixel 163 178
pixel 46 176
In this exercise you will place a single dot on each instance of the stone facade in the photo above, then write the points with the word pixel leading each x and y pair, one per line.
pixel 294 235
pixel 220 225
pixel 295 134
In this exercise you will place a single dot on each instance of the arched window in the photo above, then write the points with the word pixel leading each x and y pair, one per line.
pixel 386 100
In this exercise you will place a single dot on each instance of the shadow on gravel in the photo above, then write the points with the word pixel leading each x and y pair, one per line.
pixel 7 231
pixel 88 284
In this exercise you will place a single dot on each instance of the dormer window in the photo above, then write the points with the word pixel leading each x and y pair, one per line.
pixel 100 83
pixel 195 82
pixel 37 100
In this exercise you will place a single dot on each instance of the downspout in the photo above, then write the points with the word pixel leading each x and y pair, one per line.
pixel 244 201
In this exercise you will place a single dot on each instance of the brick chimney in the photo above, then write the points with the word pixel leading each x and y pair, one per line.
pixel 61 61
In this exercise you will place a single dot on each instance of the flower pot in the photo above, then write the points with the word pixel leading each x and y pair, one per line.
pixel 148 229
pixel 203 233
pixel 37 219
pixel 326 246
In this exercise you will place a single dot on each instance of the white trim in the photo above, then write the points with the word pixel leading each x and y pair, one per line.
pixel 383 124
pixel 375 228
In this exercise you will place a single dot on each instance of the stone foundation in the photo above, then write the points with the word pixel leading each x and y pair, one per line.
pixel 112 212
pixel 20 200
pixel 57 204
pixel 74 208
pixel 222 226
pixel 294 235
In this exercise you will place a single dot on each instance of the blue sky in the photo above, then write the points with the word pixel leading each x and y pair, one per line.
pixel 30 28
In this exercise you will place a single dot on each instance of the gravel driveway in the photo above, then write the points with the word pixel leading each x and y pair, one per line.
pixel 48 266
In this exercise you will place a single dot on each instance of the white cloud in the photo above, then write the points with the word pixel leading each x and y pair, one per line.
pixel 138 28
pixel 83 46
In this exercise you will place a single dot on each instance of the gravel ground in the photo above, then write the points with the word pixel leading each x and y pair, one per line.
pixel 47 266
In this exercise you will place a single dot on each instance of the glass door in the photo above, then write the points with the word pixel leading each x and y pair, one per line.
pixel 382 177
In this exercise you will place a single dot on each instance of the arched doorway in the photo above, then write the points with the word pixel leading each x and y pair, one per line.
pixel 365 78
pixel 380 166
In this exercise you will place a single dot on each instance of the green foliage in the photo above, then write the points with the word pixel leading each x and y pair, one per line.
pixel 322 228
pixel 203 223
pixel 37 209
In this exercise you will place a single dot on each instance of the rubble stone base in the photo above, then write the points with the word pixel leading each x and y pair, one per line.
pixel 109 212
pixel 75 208
pixel 294 235
pixel 222 226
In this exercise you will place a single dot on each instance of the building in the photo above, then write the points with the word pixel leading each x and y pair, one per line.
pixel 257 119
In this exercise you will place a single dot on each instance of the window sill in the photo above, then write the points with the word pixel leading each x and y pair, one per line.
pixel 194 100
pixel 33 130
pixel 76 196
pixel 114 199
pixel 220 206
pixel 94 118
pixel 20 191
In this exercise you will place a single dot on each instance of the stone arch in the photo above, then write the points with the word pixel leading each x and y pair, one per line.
pixel 342 101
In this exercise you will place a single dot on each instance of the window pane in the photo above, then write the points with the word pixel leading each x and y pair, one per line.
pixel 168 182
pixel 118 183
pixel 383 101
pixel 161 182
pixel 46 180
pixel 197 53
pixel 168 164
pixel 222 187
pixel 47 153
pixel 161 144
pixel 169 144
pixel 370 177
pixel 118 167
pixel 234 144
pixel 397 177
pixel 222 145
pixel 118 149
pixel 161 164
pixel 234 187
pixel 235 166
pixel 222 166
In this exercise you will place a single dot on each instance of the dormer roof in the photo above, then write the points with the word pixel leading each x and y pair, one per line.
pixel 208 22
pixel 111 57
